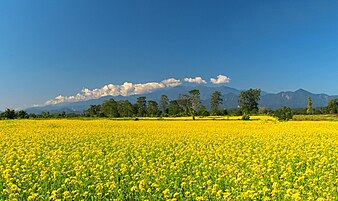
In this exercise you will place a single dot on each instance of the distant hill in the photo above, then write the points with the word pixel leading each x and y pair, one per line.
pixel 296 99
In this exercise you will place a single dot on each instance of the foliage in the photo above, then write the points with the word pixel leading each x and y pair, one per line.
pixel 110 108
pixel 315 117
pixel 9 114
pixel 22 114
pixel 152 108
pixel 246 117
pixel 125 108
pixel 235 112
pixel 309 108
pixel 194 100
pixel 216 99
pixel 141 105
pixel 202 111
pixel 248 101
pixel 223 112
pixel 174 108
pixel 332 106
pixel 184 103
pixel 164 104
pixel 93 111
pixel 265 111
pixel 284 113
pixel 190 102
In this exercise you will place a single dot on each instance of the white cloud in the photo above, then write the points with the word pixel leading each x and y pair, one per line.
pixel 198 80
pixel 221 79
pixel 171 82
pixel 126 89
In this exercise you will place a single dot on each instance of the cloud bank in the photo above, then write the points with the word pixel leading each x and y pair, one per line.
pixel 197 80
pixel 127 89
pixel 221 79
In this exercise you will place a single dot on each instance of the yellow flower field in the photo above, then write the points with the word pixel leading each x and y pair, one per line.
pixel 168 160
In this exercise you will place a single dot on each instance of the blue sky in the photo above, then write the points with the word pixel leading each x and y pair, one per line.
pixel 48 48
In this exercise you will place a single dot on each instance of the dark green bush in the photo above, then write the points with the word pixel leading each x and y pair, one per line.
pixel 246 117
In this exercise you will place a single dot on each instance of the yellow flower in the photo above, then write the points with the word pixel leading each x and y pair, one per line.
pixel 167 160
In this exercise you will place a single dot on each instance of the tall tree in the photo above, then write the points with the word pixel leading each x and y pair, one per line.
pixel 141 103
pixel 215 101
pixel 202 111
pixel 248 100
pixel 332 106
pixel 109 108
pixel 194 101
pixel 125 108
pixel 46 115
pixel 9 114
pixel 22 114
pixel 174 108
pixel 190 102
pixel 184 102
pixel 94 111
pixel 152 108
pixel 164 104
pixel 309 108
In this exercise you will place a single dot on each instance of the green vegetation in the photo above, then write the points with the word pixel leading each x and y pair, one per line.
pixel 284 113
pixel 332 107
pixel 216 99
pixel 189 105
pixel 248 101
pixel 328 117
pixel 309 108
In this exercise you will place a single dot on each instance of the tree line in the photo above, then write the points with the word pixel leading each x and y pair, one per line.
pixel 188 104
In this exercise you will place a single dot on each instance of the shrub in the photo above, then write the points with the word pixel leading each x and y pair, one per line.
pixel 284 113
pixel 246 117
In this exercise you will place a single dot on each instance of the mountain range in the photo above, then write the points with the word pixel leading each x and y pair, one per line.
pixel 292 99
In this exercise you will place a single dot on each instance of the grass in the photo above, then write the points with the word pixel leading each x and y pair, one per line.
pixel 315 118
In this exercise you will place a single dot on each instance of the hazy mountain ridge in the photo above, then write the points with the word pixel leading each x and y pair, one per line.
pixel 296 99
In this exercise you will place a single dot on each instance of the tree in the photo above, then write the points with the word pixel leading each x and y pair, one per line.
pixel 235 112
pixel 22 114
pixel 194 101
pixel 125 108
pixel 284 113
pixel 184 102
pixel 190 102
pixel 215 101
pixel 223 112
pixel 46 115
pixel 9 114
pixel 332 106
pixel 248 101
pixel 202 111
pixel 141 104
pixel 174 108
pixel 63 114
pixel 164 104
pixel 94 111
pixel 109 108
pixel 309 108
pixel 152 108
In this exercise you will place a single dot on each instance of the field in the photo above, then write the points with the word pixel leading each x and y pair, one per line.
pixel 168 160
pixel 328 117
